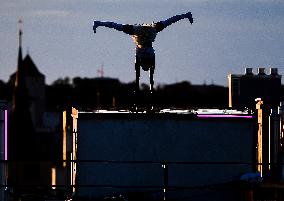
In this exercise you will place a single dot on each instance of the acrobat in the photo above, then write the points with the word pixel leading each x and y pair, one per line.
pixel 144 35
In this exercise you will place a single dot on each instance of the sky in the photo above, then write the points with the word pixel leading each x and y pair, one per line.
pixel 226 37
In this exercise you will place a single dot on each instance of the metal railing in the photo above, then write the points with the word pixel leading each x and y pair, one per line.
pixel 166 189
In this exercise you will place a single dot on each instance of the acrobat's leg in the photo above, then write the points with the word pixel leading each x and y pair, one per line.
pixel 136 90
pixel 151 75
pixel 137 70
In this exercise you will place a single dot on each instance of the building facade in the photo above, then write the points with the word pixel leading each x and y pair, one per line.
pixel 170 154
pixel 245 88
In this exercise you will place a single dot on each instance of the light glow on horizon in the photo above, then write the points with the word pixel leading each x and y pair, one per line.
pixel 224 116
pixel 6 136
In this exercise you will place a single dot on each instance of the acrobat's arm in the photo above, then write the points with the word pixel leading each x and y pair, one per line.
pixel 163 24
pixel 126 28
pixel 116 26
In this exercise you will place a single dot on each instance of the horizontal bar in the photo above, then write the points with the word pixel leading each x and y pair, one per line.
pixel 145 162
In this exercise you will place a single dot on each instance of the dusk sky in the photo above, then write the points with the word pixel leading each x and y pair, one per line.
pixel 226 37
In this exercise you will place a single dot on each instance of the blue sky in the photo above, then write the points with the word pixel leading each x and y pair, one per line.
pixel 226 37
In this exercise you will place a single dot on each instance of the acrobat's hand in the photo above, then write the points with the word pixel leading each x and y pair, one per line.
pixel 96 24
pixel 189 16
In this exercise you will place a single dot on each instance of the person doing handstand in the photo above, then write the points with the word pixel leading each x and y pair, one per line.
pixel 144 35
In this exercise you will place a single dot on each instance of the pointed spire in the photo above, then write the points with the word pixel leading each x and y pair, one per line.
pixel 20 55
pixel 20 98
pixel 20 37
pixel 20 22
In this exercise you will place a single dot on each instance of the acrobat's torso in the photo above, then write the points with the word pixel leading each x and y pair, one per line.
pixel 144 35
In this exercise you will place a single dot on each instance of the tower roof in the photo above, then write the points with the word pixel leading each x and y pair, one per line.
pixel 30 68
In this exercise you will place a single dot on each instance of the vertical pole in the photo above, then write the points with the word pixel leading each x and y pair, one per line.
pixel 3 148
pixel 74 150
pixel 53 177
pixel 259 135
pixel 136 90
pixel 166 175
pixel 2 151
pixel 151 75
pixel 64 147
pixel 6 135
pixel 71 172
pixel 230 91
pixel 6 154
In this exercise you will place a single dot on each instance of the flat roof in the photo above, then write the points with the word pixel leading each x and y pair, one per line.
pixel 166 113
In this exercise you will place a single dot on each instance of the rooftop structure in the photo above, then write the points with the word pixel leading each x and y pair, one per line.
pixel 165 153
pixel 245 88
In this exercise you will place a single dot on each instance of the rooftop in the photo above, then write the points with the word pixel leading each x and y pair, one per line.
pixel 199 113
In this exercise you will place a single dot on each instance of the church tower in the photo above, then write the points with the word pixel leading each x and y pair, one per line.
pixel 33 80
pixel 22 154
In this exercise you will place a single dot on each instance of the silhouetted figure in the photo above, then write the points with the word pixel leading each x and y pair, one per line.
pixel 144 35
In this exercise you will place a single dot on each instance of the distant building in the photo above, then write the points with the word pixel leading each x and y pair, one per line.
pixel 32 142
pixel 245 88
pixel 22 149
pixel 245 91
pixel 35 83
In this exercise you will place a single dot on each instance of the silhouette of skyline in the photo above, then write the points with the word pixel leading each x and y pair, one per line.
pixel 226 38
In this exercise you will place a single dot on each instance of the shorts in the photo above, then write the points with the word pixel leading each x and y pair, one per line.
pixel 145 57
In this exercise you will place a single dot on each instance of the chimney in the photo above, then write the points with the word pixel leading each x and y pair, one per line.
pixel 249 71
pixel 273 71
pixel 261 71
